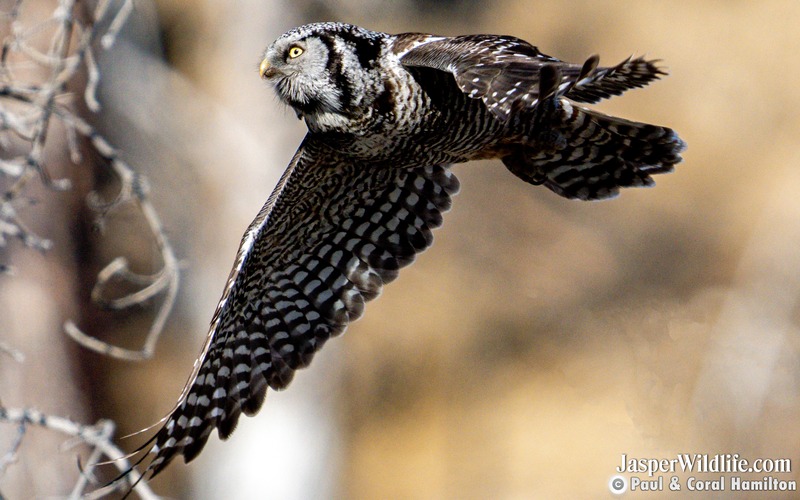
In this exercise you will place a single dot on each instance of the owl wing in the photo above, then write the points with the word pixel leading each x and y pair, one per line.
pixel 507 72
pixel 330 236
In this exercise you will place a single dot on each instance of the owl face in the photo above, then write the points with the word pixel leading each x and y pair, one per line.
pixel 298 66
pixel 328 72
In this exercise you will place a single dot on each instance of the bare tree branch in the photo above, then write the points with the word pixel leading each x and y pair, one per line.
pixel 27 109
pixel 97 437
pixel 42 59
pixel 15 354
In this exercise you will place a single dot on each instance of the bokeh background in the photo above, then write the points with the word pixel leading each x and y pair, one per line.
pixel 534 344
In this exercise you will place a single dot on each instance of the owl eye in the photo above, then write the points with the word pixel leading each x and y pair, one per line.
pixel 294 52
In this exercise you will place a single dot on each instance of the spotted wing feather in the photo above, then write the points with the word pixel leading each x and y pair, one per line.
pixel 328 239
pixel 505 71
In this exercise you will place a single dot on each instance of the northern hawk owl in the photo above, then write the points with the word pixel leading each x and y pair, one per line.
pixel 387 115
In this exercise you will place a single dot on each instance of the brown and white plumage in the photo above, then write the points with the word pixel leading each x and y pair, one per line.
pixel 386 115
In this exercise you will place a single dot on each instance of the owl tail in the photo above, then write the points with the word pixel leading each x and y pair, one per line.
pixel 582 154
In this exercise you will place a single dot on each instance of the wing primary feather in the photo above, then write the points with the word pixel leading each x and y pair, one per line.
pixel 307 264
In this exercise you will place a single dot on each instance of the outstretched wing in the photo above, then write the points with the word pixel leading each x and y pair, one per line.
pixel 504 71
pixel 330 236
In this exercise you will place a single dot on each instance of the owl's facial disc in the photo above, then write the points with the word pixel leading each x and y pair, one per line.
pixel 298 69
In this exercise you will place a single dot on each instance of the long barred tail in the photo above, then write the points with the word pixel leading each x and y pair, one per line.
pixel 582 154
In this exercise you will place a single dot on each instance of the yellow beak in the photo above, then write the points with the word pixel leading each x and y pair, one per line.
pixel 265 70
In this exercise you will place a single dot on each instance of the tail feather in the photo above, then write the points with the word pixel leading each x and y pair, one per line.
pixel 586 155
pixel 607 82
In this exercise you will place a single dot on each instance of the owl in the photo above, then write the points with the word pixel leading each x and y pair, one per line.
pixel 387 115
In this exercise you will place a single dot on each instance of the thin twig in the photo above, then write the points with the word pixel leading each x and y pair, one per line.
pixel 15 354
pixel 97 437
pixel 42 98
pixel 34 78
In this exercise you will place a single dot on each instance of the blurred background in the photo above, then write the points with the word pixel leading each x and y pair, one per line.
pixel 538 341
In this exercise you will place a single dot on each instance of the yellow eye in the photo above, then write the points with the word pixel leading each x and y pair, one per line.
pixel 295 52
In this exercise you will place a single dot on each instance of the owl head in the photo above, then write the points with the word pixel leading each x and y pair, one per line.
pixel 323 70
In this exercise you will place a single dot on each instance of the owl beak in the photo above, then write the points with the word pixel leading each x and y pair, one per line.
pixel 265 70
